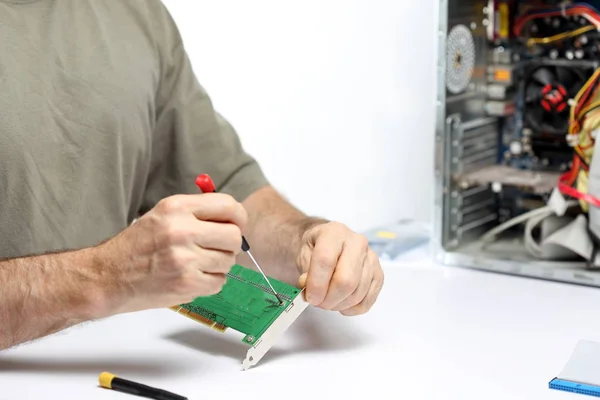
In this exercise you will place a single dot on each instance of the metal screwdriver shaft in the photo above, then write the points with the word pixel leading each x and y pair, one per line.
pixel 206 185
pixel 264 275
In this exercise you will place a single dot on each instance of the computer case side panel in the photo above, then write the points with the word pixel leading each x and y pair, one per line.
pixel 465 137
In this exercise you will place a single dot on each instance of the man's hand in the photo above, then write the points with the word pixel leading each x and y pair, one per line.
pixel 176 252
pixel 338 269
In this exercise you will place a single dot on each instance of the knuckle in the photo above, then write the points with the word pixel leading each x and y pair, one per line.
pixel 179 261
pixel 171 259
pixel 170 204
pixel 237 244
pixel 338 226
pixel 227 262
pixel 372 258
pixel 236 240
pixel 361 241
pixel 345 283
pixel 229 204
pixel 173 233
pixel 325 260
pixel 149 220
pixel 236 211
pixel 235 234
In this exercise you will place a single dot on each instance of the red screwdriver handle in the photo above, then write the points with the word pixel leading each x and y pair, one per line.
pixel 206 185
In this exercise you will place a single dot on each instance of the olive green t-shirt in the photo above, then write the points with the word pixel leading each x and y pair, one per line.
pixel 101 116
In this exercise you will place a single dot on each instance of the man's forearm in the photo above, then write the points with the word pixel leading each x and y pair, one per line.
pixel 41 295
pixel 274 231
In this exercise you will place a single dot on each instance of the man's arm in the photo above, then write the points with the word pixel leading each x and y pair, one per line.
pixel 274 232
pixel 42 295
pixel 171 255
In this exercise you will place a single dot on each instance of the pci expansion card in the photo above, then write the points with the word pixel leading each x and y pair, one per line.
pixel 246 305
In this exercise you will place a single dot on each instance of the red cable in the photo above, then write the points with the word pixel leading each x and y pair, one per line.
pixel 568 178
pixel 584 97
pixel 570 191
pixel 577 10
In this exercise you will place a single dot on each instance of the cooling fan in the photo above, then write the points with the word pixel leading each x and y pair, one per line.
pixel 460 59
pixel 548 89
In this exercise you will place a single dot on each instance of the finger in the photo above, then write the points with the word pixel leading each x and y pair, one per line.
pixel 214 261
pixel 218 236
pixel 216 207
pixel 365 305
pixel 348 271
pixel 210 284
pixel 323 261
pixel 363 287
pixel 198 283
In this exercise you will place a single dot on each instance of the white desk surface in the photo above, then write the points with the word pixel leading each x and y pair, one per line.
pixel 436 333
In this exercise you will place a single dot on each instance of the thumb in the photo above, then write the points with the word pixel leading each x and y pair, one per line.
pixel 302 280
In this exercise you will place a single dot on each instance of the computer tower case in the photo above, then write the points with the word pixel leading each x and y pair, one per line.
pixel 516 86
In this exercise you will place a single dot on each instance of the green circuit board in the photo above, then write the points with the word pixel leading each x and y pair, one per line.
pixel 245 304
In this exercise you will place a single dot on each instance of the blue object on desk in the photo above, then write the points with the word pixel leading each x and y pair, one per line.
pixel 581 375
pixel 574 387
pixel 390 241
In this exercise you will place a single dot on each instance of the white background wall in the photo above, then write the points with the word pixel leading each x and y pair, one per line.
pixel 335 98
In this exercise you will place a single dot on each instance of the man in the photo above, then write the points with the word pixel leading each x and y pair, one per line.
pixel 102 121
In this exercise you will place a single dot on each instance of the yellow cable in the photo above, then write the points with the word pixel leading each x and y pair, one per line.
pixel 586 121
pixel 587 109
pixel 583 89
pixel 589 120
pixel 560 36
pixel 582 186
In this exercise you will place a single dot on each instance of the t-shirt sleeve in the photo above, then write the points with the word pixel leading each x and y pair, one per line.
pixel 190 137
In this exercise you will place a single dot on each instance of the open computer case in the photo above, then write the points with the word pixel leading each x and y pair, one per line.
pixel 517 112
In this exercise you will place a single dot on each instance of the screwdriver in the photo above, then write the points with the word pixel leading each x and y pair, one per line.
pixel 206 185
